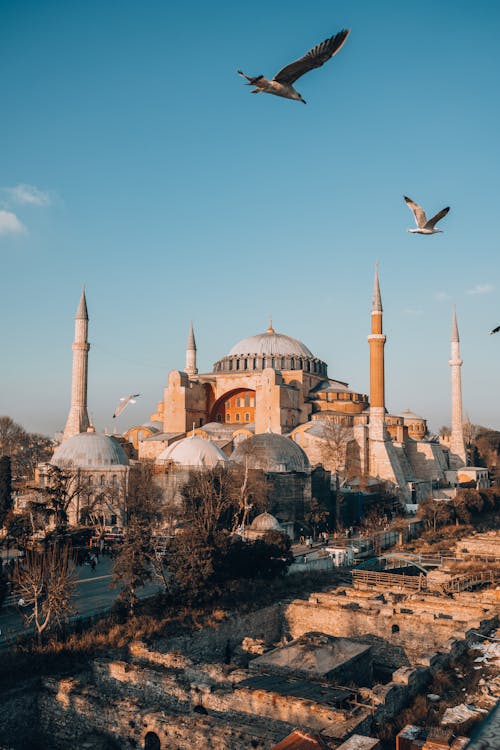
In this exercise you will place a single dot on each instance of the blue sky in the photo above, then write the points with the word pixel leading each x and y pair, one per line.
pixel 134 160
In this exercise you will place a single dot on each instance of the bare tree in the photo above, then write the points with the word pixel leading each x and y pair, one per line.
pixel 209 500
pixel 64 486
pixel 134 563
pixel 45 583
pixel 25 449
pixel 250 494
pixel 337 435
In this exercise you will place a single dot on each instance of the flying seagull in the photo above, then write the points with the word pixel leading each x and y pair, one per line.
pixel 281 84
pixel 495 330
pixel 424 226
pixel 125 401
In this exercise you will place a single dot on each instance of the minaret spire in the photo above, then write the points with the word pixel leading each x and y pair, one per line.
pixel 191 368
pixel 78 419
pixel 376 298
pixel 458 455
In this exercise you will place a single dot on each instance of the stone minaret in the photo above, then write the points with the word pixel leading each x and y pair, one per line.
pixel 383 461
pixel 458 456
pixel 191 368
pixel 78 418
pixel 376 341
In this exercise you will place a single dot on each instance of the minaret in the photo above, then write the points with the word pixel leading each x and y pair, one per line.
pixel 376 341
pixel 191 368
pixel 78 418
pixel 458 456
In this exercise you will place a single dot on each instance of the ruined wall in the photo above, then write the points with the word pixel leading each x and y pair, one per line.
pixel 220 642
pixel 415 625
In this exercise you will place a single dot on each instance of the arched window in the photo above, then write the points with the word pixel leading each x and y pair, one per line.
pixel 152 741
pixel 219 417
pixel 237 417
pixel 395 629
pixel 247 417
pixel 228 417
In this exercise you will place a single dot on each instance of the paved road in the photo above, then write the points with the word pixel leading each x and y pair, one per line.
pixel 92 596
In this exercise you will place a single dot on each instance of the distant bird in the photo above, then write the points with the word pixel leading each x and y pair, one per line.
pixel 125 401
pixel 424 226
pixel 281 84
pixel 495 330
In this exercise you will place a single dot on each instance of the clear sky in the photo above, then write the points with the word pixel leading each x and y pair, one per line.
pixel 135 161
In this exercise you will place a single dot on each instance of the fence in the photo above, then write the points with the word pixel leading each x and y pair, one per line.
pixel 370 578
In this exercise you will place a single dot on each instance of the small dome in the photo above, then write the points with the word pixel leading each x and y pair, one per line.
pixel 271 452
pixel 89 450
pixel 265 522
pixel 271 343
pixel 192 451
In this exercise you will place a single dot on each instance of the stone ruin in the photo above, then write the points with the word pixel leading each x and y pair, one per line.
pixel 331 664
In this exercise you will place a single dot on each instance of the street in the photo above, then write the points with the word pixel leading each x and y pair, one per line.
pixel 93 595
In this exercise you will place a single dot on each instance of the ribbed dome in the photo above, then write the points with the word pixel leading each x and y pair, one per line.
pixel 192 451
pixel 271 452
pixel 265 522
pixel 89 450
pixel 271 343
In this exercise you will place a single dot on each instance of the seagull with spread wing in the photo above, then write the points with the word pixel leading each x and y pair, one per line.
pixel 125 401
pixel 424 225
pixel 281 84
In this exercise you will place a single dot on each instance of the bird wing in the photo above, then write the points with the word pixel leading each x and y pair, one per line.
pixel 418 212
pixel 121 406
pixel 313 59
pixel 432 222
pixel 495 330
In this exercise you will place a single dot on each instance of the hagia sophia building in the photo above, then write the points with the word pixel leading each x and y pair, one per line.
pixel 271 402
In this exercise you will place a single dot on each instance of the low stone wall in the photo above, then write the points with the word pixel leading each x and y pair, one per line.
pixel 218 643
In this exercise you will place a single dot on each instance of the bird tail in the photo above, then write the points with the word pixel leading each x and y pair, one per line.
pixel 252 80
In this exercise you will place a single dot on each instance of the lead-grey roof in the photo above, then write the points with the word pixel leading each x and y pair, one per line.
pixel 89 450
pixel 270 452
pixel 271 343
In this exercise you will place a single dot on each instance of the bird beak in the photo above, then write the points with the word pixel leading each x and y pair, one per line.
pixel 303 101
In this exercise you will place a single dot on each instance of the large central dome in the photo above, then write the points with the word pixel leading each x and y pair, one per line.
pixel 271 343
pixel 270 349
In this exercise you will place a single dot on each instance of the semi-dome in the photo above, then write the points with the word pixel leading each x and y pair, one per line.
pixel 193 451
pixel 265 522
pixel 271 452
pixel 270 349
pixel 89 450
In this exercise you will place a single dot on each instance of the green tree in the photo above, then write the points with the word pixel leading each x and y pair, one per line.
pixel 5 488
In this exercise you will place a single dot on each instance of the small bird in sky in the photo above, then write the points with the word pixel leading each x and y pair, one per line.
pixel 424 226
pixel 281 84
pixel 125 401
pixel 495 330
